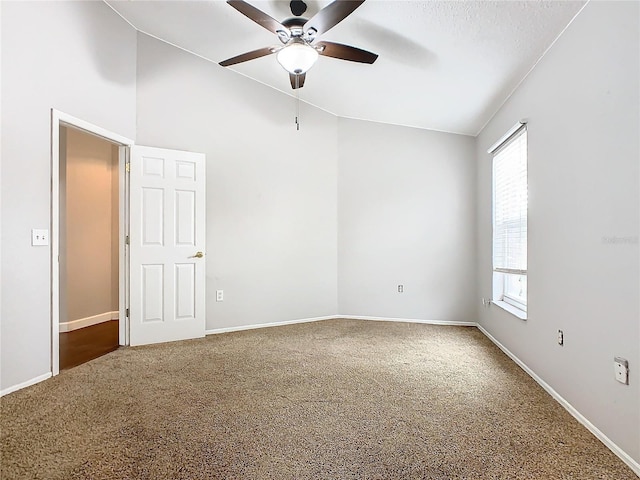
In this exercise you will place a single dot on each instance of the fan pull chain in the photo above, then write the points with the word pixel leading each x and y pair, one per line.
pixel 297 102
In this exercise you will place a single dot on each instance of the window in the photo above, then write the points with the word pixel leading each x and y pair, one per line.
pixel 510 221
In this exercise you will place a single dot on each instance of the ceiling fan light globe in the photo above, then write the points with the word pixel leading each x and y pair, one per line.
pixel 297 58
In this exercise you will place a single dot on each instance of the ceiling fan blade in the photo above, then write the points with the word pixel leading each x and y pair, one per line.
pixel 345 52
pixel 259 17
pixel 330 16
pixel 261 52
pixel 297 81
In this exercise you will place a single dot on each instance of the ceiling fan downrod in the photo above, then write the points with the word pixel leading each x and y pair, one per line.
pixel 297 102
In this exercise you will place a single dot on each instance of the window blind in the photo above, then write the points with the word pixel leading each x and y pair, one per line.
pixel 510 205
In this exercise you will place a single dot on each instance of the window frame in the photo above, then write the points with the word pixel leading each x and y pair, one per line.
pixel 501 297
pixel 511 299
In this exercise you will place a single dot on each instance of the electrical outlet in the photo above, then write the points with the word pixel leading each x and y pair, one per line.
pixel 621 368
pixel 560 337
pixel 219 295
pixel 486 302
pixel 400 288
pixel 39 237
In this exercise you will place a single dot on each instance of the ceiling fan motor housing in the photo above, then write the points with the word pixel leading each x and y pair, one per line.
pixel 295 26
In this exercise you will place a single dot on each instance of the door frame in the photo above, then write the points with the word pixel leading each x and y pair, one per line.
pixel 61 119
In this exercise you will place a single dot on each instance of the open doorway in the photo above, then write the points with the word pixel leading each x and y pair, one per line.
pixel 89 247
pixel 89 227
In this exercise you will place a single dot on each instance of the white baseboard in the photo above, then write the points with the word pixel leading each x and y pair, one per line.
pixel 88 321
pixel 334 317
pixel 624 456
pixel 28 383
pixel 266 325
pixel 454 323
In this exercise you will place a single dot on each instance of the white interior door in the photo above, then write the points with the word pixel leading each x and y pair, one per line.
pixel 167 241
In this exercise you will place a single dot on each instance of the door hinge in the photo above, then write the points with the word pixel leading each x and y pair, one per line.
pixel 127 167
pixel 127 313
pixel 126 240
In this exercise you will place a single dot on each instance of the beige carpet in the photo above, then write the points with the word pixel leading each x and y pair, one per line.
pixel 337 399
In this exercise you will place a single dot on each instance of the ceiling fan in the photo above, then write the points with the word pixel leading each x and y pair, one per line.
pixel 298 34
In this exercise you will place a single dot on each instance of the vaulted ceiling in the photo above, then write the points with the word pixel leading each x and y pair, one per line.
pixel 443 65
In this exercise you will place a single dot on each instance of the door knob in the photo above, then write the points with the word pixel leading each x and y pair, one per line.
pixel 199 255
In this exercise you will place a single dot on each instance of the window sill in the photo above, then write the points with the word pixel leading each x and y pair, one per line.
pixel 521 314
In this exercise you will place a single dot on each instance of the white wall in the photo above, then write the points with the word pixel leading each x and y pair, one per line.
pixel 583 108
pixel 271 190
pixel 406 215
pixel 77 57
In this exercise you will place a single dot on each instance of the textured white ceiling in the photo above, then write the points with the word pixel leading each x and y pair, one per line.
pixel 443 65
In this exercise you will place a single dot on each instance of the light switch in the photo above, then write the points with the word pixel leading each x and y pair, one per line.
pixel 39 237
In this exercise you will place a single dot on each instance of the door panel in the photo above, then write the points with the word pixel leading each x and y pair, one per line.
pixel 152 293
pixel 185 291
pixel 152 216
pixel 167 229
pixel 185 207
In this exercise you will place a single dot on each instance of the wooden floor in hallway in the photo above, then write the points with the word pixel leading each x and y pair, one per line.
pixel 80 346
